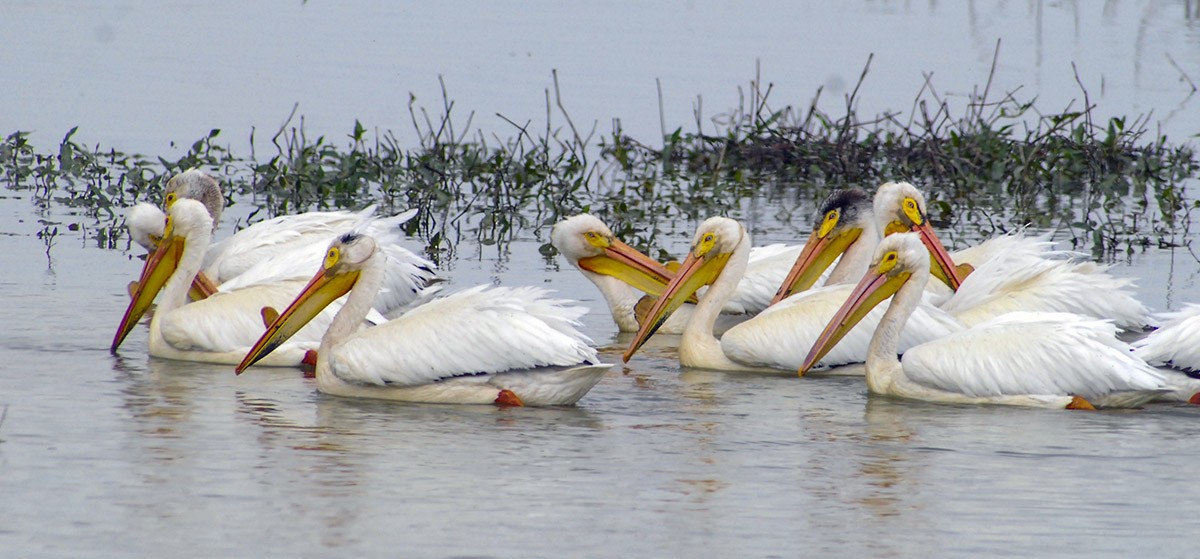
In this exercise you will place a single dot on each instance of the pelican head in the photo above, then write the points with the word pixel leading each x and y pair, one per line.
pixel 899 258
pixel 187 222
pixel 839 222
pixel 145 223
pixel 711 249
pixel 899 207
pixel 196 185
pixel 590 245
pixel 344 262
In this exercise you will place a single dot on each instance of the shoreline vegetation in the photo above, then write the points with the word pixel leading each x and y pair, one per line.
pixel 990 166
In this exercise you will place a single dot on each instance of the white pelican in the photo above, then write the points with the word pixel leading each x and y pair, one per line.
pixel 773 340
pixel 479 346
pixel 220 328
pixel 1019 274
pixel 1055 360
pixel 622 273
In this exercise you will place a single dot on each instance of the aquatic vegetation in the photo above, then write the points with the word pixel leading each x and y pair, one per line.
pixel 988 165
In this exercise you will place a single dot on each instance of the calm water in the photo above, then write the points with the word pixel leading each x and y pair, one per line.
pixel 127 456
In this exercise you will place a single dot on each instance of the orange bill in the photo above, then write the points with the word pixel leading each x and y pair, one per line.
pixel 694 273
pixel 155 272
pixel 318 294
pixel 874 288
pixel 629 265
pixel 943 266
pixel 820 252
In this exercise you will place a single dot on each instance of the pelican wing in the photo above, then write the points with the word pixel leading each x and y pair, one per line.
pixel 1176 343
pixel 266 239
pixel 1020 282
pixel 1017 245
pixel 406 275
pixel 766 270
pixel 781 336
pixel 477 331
pixel 233 322
pixel 1032 353
pixel 1039 246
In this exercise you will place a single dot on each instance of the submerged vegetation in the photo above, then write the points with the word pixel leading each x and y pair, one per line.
pixel 995 164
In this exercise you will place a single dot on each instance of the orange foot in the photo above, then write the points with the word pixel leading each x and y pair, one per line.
pixel 1080 403
pixel 508 398
pixel 309 363
pixel 1195 399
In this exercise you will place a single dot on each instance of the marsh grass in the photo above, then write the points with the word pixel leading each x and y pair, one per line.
pixel 991 165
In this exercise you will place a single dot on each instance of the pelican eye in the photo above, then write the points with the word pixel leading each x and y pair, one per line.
pixel 595 239
pixel 887 262
pixel 831 220
pixel 706 244
pixel 332 257
pixel 170 199
pixel 169 228
pixel 912 211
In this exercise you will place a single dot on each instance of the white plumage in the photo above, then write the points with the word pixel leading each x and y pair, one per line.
pixel 277 238
pixel 1060 353
pixel 145 223
pixel 1014 281
pixel 481 345
pixel 765 270
pixel 1175 344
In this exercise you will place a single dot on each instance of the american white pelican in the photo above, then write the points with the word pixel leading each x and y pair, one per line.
pixel 621 273
pixel 479 346
pixel 1019 274
pixel 220 328
pixel 775 339
pixel 1055 360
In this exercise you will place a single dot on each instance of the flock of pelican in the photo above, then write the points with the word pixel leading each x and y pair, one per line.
pixel 1009 321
